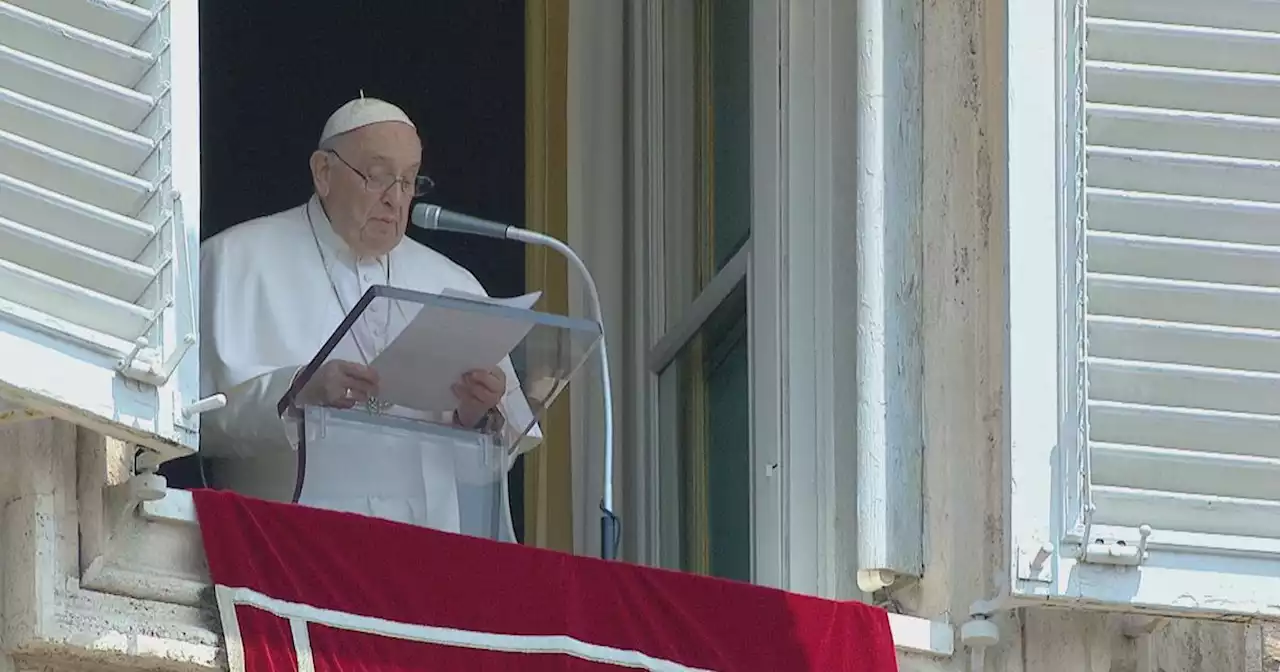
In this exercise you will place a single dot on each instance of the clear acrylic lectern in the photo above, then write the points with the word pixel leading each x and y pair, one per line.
pixel 403 454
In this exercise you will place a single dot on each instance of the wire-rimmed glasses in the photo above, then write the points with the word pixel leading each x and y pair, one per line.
pixel 418 186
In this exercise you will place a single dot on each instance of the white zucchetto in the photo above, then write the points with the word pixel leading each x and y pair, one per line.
pixel 359 113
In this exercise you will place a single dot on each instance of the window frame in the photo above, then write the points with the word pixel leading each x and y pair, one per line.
pixel 675 30
pixel 1045 384
pixel 802 445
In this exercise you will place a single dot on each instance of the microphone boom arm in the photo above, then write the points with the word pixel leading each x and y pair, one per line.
pixel 433 217
pixel 610 528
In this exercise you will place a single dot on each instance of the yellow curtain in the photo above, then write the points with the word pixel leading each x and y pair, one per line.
pixel 548 498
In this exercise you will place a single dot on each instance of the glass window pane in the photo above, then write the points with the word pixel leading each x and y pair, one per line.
pixel 706 450
pixel 730 133
pixel 707 94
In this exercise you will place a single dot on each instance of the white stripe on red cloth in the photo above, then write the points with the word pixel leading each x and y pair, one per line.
pixel 301 614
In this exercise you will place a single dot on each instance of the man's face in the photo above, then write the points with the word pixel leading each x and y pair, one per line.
pixel 369 218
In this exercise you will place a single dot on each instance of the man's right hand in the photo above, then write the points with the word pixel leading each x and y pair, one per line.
pixel 340 384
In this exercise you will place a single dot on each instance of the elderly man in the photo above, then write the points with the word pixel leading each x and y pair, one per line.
pixel 275 288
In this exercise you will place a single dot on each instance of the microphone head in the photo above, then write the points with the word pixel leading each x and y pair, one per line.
pixel 425 216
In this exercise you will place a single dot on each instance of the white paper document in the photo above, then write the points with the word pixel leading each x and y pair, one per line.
pixel 419 368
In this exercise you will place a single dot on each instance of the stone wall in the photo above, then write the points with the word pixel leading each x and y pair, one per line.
pixel 1271 648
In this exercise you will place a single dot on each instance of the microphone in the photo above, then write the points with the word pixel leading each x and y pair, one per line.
pixel 436 218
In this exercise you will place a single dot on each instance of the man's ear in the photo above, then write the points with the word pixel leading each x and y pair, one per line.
pixel 320 172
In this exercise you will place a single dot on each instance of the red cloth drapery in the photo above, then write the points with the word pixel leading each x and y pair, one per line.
pixel 308 589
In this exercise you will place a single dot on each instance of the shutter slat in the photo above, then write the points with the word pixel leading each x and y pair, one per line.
pixel 1183 46
pixel 1185 428
pixel 1186 174
pixel 1179 343
pixel 1184 131
pixel 72 220
pixel 1133 507
pixel 1190 217
pixel 82 180
pixel 1184 301
pixel 62 259
pixel 73 303
pixel 1184 471
pixel 121 21
pixel 1183 386
pixel 72 47
pixel 74 91
pixel 1239 14
pixel 1183 259
pixel 1183 88
pixel 73 133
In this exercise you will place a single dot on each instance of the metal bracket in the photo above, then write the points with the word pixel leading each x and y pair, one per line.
pixel 190 411
pixel 149 372
pixel 1117 551
pixel 1036 567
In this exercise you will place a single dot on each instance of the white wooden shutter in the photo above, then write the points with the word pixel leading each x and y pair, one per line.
pixel 1183 263
pixel 1145 401
pixel 99 212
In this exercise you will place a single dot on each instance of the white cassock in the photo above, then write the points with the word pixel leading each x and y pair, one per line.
pixel 267 308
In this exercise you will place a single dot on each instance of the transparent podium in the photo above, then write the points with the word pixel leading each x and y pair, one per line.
pixel 409 452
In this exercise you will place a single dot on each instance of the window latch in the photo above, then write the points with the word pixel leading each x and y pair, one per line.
pixel 1117 551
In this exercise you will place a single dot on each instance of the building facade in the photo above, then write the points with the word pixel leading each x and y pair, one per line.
pixel 841 249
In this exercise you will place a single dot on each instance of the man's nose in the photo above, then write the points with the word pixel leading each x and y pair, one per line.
pixel 394 196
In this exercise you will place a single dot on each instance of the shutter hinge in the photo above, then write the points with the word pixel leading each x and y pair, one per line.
pixel 1117 551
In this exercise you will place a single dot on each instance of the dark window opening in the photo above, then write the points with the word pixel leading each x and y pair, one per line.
pixel 271 73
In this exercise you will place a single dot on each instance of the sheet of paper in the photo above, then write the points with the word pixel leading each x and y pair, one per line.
pixel 524 302
pixel 418 368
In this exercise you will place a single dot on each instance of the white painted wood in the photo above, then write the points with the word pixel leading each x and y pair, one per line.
pixel 1185 174
pixel 1241 14
pixel 1185 428
pixel 644 532
pixel 1037 376
pixel 1186 471
pixel 1182 88
pixel 117 20
pixel 1179 339
pixel 74 48
pixel 888 258
pixel 1183 259
pixel 111 147
pixel 690 322
pixel 768 319
pixel 99 167
pixel 804 62
pixel 1184 216
pixel 46 253
pixel 1193 359
pixel 1185 46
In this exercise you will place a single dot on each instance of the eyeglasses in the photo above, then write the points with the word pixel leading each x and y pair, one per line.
pixel 418 186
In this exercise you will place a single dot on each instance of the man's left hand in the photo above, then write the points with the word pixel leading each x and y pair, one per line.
pixel 479 392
